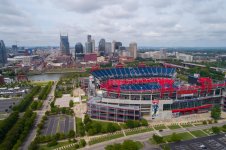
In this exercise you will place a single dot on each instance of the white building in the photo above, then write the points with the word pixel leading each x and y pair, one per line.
pixel 184 57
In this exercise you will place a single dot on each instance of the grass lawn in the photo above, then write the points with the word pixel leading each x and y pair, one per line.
pixel 41 83
pixel 139 131
pixel 174 126
pixel 209 131
pixel 45 147
pixel 105 138
pixel 186 125
pixel 198 133
pixel 184 136
pixel 198 123
pixel 159 127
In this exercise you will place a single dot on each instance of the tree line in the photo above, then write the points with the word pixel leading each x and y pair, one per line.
pixel 45 91
pixel 18 132
pixel 26 101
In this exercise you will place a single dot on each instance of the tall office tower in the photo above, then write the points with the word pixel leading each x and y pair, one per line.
pixel 79 51
pixel 118 45
pixel 108 47
pixel 93 45
pixel 64 45
pixel 14 49
pixel 89 38
pixel 90 44
pixel 113 47
pixel 3 55
pixel 101 47
pixel 133 49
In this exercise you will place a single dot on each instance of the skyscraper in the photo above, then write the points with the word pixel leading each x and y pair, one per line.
pixel 3 55
pixel 108 47
pixel 101 47
pixel 115 46
pixel 79 51
pixel 93 45
pixel 133 50
pixel 90 44
pixel 89 38
pixel 64 45
pixel 14 49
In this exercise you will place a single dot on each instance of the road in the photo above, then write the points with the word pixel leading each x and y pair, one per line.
pixel 144 137
pixel 40 114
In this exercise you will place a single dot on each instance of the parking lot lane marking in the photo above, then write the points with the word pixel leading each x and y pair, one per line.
pixel 49 124
pixel 52 126
pixel 74 121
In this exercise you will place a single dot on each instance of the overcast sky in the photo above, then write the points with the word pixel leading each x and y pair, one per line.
pixel 148 22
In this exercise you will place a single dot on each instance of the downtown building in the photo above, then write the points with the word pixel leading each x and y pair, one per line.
pixel 3 54
pixel 64 45
pixel 79 52
pixel 90 44
pixel 133 50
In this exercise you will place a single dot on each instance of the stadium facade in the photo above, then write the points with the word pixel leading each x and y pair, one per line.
pixel 119 94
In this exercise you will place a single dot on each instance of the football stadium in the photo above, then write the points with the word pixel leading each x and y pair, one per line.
pixel 120 93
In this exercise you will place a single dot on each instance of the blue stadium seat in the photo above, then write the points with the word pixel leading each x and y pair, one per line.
pixel 118 73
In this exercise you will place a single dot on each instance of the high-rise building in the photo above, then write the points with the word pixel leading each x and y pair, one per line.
pixel 3 55
pixel 79 51
pixel 64 45
pixel 89 38
pixel 101 47
pixel 90 44
pixel 14 49
pixel 133 49
pixel 116 46
pixel 113 47
pixel 93 45
pixel 108 47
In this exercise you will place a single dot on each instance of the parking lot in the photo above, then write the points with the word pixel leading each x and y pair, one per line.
pixel 215 142
pixel 58 124
pixel 6 104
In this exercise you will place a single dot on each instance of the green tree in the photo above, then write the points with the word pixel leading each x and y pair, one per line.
pixel 216 112
pixel 71 134
pixel 216 130
pixel 82 143
pixel 157 139
pixel 130 145
pixel 144 122
pixel 71 103
pixel 86 119
pixel 111 127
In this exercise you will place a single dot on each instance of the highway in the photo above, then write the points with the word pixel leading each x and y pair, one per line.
pixel 144 137
pixel 40 114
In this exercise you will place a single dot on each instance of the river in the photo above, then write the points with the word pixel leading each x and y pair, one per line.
pixel 45 77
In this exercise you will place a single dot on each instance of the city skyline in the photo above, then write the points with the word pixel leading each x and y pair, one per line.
pixel 153 23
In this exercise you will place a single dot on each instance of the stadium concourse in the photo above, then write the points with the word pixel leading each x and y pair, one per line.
pixel 120 93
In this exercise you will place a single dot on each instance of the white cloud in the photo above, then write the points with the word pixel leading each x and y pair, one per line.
pixel 150 23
